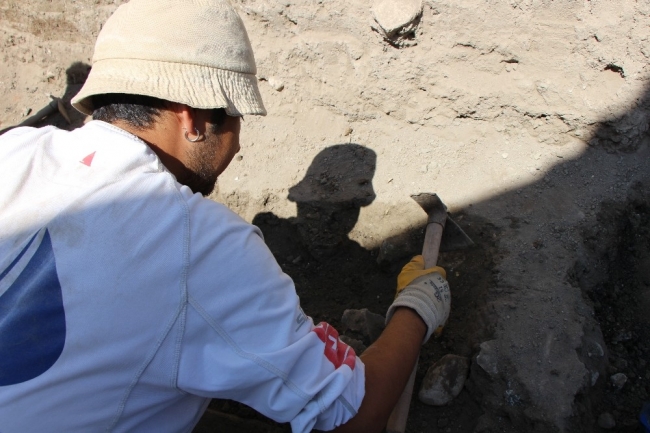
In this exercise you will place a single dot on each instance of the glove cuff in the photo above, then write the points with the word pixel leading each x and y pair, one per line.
pixel 429 297
pixel 420 298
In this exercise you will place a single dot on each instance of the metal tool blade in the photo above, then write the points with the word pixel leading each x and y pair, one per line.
pixel 453 237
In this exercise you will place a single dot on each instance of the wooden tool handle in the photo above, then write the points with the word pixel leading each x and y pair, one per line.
pixel 399 415
pixel 44 112
pixel 430 249
pixel 431 246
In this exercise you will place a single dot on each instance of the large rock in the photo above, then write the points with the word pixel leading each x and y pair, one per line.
pixel 396 18
pixel 444 380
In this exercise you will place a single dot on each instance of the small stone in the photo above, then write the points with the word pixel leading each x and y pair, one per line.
pixel 444 380
pixel 487 358
pixel 595 350
pixel 239 157
pixel 26 112
pixel 504 155
pixel 594 377
pixel 606 421
pixel 355 344
pixel 387 251
pixel 276 84
pixel 347 131
pixel 368 324
pixel 618 380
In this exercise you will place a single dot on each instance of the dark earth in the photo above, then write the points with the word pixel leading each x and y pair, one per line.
pixel 616 279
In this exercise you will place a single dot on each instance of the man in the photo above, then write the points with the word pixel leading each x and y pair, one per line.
pixel 127 300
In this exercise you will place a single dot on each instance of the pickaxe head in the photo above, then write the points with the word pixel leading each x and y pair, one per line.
pixel 453 237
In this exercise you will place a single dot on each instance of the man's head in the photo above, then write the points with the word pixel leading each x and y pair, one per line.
pixel 179 74
pixel 196 145
pixel 194 52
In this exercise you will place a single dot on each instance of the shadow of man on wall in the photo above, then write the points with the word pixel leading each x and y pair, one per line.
pixel 331 271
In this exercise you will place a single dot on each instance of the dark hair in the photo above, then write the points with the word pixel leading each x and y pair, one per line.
pixel 138 110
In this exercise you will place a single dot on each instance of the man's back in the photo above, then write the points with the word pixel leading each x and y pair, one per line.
pixel 90 291
pixel 126 301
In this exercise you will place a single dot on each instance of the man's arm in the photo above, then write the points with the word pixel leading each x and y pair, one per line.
pixel 422 304
pixel 389 362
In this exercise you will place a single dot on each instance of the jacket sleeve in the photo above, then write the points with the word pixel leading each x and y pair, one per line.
pixel 246 337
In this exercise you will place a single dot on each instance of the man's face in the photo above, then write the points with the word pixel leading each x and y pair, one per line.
pixel 208 158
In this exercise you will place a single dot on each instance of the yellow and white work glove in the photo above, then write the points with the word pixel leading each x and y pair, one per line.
pixel 425 291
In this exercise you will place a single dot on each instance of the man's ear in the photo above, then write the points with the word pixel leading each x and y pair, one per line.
pixel 185 116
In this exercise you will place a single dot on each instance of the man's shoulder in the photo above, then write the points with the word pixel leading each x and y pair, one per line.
pixel 22 131
pixel 211 215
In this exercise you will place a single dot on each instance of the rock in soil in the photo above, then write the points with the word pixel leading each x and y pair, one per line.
pixel 606 421
pixel 444 380
pixel 396 18
pixel 355 344
pixel 618 380
pixel 365 323
pixel 487 358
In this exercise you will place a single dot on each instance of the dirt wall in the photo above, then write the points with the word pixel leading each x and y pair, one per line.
pixel 523 115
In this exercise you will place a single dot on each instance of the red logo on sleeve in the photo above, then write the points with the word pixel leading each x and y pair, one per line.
pixel 336 351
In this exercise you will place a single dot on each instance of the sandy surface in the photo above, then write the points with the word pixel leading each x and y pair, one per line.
pixel 528 118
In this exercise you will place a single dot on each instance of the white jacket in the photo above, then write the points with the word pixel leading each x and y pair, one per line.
pixel 126 301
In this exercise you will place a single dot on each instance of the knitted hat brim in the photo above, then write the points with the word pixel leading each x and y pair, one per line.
pixel 194 85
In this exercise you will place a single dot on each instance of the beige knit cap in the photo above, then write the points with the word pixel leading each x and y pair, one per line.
pixel 195 52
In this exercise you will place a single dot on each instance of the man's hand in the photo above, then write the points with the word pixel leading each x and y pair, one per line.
pixel 413 270
pixel 389 362
pixel 421 305
pixel 425 291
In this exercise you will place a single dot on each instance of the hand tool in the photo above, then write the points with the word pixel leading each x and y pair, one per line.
pixel 442 234
pixel 56 104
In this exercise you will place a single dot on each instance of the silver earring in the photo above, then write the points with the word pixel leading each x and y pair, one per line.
pixel 193 140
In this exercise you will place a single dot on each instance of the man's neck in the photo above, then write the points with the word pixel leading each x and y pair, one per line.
pixel 159 138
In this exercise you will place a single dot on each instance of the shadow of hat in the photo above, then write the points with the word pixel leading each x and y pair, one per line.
pixel 339 175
